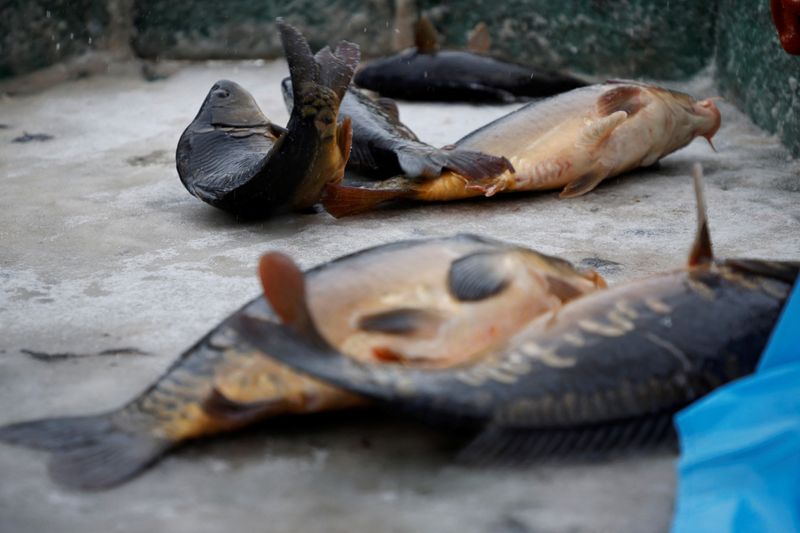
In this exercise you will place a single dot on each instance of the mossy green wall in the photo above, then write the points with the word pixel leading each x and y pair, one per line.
pixel 631 38
pixel 38 33
pixel 755 73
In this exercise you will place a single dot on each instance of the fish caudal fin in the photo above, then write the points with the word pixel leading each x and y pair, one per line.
pixel 332 69
pixel 702 252
pixel 341 200
pixel 474 166
pixel 88 452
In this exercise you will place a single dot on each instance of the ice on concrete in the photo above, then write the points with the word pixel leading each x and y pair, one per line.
pixel 103 249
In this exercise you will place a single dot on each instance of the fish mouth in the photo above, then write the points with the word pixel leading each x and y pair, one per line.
pixel 712 119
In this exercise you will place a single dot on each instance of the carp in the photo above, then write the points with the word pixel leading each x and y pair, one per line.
pixel 383 146
pixel 572 141
pixel 232 157
pixel 605 371
pixel 429 74
pixel 427 303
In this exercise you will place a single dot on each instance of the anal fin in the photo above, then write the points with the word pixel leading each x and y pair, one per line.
pixel 341 200
pixel 498 445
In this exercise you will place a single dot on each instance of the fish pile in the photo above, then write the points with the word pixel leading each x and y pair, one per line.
pixel 537 357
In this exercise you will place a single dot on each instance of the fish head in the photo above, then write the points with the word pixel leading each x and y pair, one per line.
pixel 229 104
pixel 691 118
pixel 560 277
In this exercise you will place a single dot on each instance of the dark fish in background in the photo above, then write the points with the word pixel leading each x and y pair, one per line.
pixel 384 147
pixel 232 157
pixel 605 371
pixel 428 74
pixel 572 142
pixel 428 303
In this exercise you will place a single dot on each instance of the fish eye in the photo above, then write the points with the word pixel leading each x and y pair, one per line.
pixel 222 93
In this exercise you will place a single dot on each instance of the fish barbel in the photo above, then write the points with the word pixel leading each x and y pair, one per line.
pixel 572 141
pixel 397 304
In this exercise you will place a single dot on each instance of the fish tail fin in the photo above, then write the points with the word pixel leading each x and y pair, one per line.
pixel 341 200
pixel 332 69
pixel 474 166
pixel 88 452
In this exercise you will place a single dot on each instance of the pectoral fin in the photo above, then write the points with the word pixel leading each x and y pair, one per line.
pixel 478 276
pixel 584 184
pixel 596 133
pixel 625 98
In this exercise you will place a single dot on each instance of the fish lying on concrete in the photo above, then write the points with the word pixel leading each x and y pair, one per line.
pixel 606 370
pixel 232 157
pixel 429 74
pixel 571 141
pixel 425 303
pixel 383 146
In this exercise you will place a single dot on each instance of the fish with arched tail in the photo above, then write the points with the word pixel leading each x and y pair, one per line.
pixel 606 370
pixel 429 303
pixel 571 142
pixel 429 74
pixel 384 147
pixel 232 157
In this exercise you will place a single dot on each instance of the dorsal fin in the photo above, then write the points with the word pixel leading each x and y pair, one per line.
pixel 285 289
pixel 425 37
pixel 701 253
pixel 389 107
pixel 480 41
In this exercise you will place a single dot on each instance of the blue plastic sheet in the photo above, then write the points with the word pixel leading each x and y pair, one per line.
pixel 739 469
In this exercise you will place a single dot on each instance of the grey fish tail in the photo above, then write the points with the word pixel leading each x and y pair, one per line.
pixel 88 452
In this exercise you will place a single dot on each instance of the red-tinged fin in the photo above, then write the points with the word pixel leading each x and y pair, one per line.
pixel 89 452
pixel 344 138
pixel 702 252
pixel 625 98
pixel 341 200
pixel 417 163
pixel 480 41
pixel 425 37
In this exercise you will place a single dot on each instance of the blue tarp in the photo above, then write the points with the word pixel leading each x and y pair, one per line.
pixel 739 469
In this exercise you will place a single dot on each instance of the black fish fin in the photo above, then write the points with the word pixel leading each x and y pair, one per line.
pixel 701 252
pixel 584 184
pixel 404 321
pixel 337 68
pixel 480 41
pixel 500 445
pixel 302 66
pixel 361 157
pixel 89 452
pixel 219 406
pixel 477 276
pixel 625 98
pixel 429 164
pixel 285 289
pixel 425 37
pixel 389 107
pixel 341 200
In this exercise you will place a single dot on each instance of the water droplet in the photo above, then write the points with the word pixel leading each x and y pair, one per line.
pixel 58 47
pixel 47 13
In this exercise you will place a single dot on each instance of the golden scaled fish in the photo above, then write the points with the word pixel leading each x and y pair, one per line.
pixel 605 371
pixel 232 157
pixel 425 303
pixel 572 141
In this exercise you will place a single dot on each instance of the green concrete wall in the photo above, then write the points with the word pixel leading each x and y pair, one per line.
pixel 246 28
pixel 754 72
pixel 38 33
pixel 627 38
